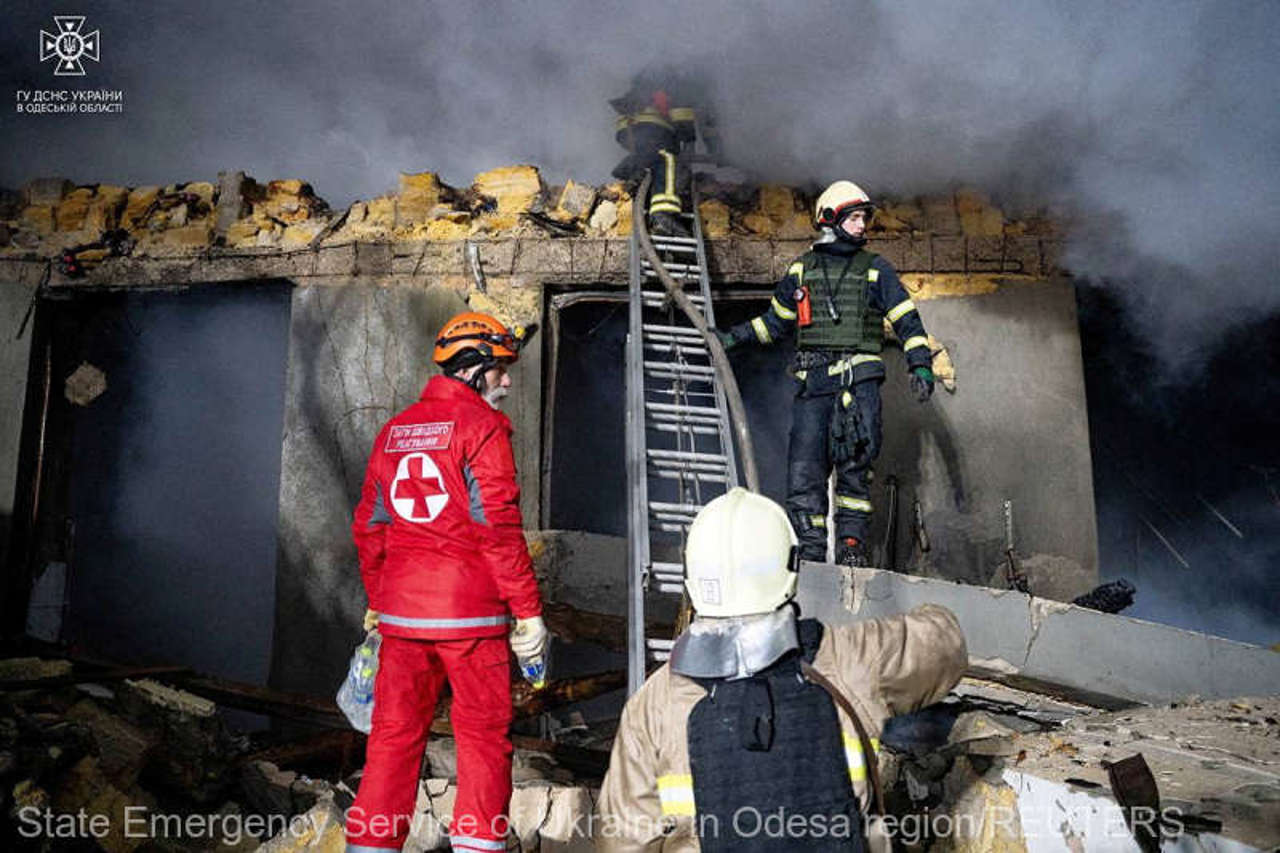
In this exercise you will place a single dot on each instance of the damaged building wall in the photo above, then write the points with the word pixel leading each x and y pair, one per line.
pixel 15 354
pixel 373 282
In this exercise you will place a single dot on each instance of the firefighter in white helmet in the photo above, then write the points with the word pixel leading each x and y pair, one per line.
pixel 836 298
pixel 736 725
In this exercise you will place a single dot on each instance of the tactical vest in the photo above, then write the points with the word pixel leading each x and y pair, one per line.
pixel 849 278
pixel 768 762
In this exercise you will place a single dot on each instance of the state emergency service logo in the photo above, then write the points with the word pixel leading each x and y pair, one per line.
pixel 418 493
pixel 68 46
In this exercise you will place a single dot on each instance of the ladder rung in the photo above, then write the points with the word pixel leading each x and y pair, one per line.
pixel 667 569
pixel 677 347
pixel 674 241
pixel 686 456
pixel 671 587
pixel 687 429
pixel 653 299
pixel 659 644
pixel 677 367
pixel 660 657
pixel 671 330
pixel 677 409
pixel 686 420
pixel 692 509
pixel 672 527
pixel 672 268
pixel 702 476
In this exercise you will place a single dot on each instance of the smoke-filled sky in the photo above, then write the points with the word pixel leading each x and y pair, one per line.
pixel 1152 126
pixel 1155 124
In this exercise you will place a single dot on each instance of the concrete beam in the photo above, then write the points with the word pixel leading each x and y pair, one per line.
pixel 1106 659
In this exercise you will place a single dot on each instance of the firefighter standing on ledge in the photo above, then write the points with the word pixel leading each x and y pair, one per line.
pixel 837 296
pixel 443 560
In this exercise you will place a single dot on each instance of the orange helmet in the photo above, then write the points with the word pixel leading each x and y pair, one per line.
pixel 472 330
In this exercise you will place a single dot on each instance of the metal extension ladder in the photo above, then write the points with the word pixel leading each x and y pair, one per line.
pixel 680 452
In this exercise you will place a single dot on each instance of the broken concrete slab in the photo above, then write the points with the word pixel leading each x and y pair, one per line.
pixel 1099 657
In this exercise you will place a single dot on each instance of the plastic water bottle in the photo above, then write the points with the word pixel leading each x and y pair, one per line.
pixel 534 670
pixel 355 696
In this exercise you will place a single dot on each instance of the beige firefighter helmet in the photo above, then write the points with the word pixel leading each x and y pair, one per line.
pixel 838 198
pixel 740 558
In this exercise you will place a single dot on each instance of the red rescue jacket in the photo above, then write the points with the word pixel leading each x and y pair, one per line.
pixel 438 527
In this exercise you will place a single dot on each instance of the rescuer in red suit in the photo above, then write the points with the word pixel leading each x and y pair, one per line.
pixel 444 563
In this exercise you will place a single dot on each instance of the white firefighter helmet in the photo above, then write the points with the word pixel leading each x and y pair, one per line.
pixel 836 200
pixel 740 558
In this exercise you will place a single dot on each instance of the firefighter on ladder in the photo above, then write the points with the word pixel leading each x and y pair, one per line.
pixel 760 712
pixel 656 123
pixel 445 565
pixel 836 297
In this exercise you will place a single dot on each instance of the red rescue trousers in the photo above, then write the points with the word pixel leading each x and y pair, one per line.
pixel 410 675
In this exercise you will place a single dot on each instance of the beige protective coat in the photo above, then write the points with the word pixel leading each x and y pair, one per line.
pixel 885 667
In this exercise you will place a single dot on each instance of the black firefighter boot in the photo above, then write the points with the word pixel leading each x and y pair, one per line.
pixel 667 225
pixel 852 552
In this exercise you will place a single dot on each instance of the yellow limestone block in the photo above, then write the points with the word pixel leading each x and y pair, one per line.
pixel 715 218
pixel 72 210
pixel 923 286
pixel 243 232
pixel 139 200
pixel 187 236
pixel 105 208
pixel 758 223
pixel 300 235
pixel 291 186
pixel 575 201
pixel 448 229
pixel 419 193
pixel 39 218
pixel 776 202
pixel 514 187
pixel 623 226
pixel 380 213
pixel 203 189
pixel 978 217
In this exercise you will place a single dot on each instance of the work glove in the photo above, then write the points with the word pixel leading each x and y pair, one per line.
pixel 846 439
pixel 727 340
pixel 529 638
pixel 922 383
pixel 370 620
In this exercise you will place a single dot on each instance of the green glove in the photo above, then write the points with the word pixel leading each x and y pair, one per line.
pixel 922 383
pixel 727 340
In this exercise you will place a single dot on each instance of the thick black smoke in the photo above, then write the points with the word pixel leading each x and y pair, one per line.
pixel 1152 125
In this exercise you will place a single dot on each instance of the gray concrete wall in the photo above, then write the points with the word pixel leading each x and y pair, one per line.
pixel 1042 643
pixel 15 354
pixel 1015 428
pixel 357 355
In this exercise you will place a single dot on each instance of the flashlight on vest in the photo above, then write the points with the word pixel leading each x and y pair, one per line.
pixel 804 308
pixel 832 311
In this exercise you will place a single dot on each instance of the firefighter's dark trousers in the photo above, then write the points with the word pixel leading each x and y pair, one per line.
pixel 656 150
pixel 809 465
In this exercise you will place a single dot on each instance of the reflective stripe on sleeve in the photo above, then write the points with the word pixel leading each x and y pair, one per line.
pixel 681 114
pixel 781 310
pixel 916 341
pixel 676 793
pixel 796 269
pixel 444 624
pixel 900 310
pixel 873 274
pixel 623 122
pixel 853 756
pixel 855 504
pixel 762 331
pixel 818 521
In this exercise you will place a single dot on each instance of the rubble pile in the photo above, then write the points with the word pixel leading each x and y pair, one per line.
pixel 123 764
pixel 50 215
